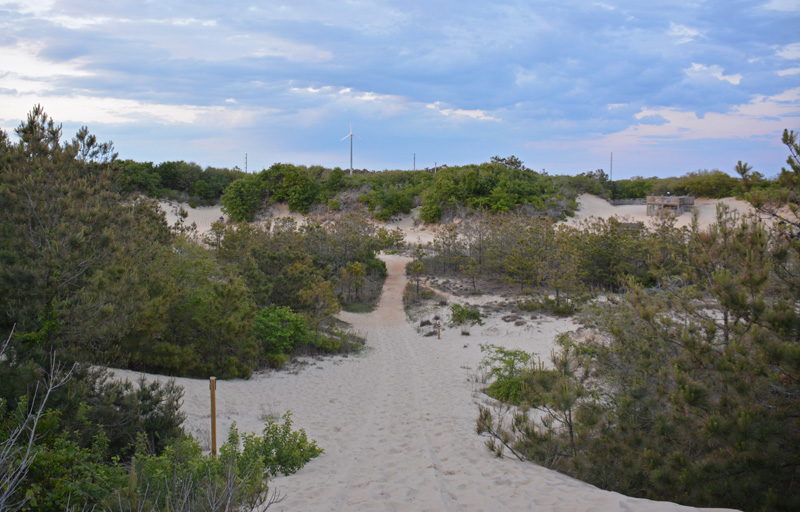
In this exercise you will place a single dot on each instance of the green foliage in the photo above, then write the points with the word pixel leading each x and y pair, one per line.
pixel 295 185
pixel 283 450
pixel 633 188
pixel 242 198
pixel 278 330
pixel 565 307
pixel 683 394
pixel 710 184
pixel 461 315
pixel 180 180
pixel 63 474
pixel 494 187
pixel 183 478
pixel 506 369
pixel 611 251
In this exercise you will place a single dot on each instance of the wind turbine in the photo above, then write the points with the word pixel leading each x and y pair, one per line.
pixel 350 136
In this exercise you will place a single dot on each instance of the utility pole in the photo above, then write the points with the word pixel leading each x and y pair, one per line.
pixel 415 161
pixel 245 162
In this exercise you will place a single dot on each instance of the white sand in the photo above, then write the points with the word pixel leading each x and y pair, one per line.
pixel 398 422
pixel 203 216
pixel 597 207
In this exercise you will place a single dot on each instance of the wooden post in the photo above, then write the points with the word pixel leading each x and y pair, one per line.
pixel 438 331
pixel 212 384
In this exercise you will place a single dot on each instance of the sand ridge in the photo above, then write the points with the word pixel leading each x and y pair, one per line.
pixel 416 232
pixel 398 422
pixel 591 206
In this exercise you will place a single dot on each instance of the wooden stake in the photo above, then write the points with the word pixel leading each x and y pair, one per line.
pixel 212 384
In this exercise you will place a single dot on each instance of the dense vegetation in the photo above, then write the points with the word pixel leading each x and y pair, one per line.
pixel 494 186
pixel 501 185
pixel 688 388
pixel 91 273
pixel 176 180
pixel 98 274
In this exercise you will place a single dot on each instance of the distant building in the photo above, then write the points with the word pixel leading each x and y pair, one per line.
pixel 675 205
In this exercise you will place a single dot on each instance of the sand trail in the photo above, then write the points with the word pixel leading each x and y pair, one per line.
pixel 397 423
pixel 409 442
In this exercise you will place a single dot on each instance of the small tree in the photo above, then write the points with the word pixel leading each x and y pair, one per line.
pixel 242 198
pixel 278 330
pixel 461 315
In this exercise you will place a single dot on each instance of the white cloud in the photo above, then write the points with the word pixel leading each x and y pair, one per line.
pixel 615 106
pixel 788 72
pixel 34 7
pixel 349 98
pixel 790 51
pixel 477 114
pixel 91 109
pixel 604 5
pixel 23 61
pixel 762 116
pixel 682 33
pixel 524 76
pixel 187 21
pixel 702 71
pixel 247 45
pixel 783 5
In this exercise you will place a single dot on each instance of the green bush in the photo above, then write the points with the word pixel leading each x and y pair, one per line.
pixel 278 329
pixel 562 307
pixel 506 371
pixel 242 198
pixel 277 360
pixel 460 315
pixel 283 450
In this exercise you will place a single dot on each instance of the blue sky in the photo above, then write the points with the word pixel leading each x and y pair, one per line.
pixel 668 86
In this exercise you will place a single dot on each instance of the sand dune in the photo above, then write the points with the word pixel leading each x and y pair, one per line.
pixel 415 232
pixel 398 422
pixel 203 216
pixel 597 207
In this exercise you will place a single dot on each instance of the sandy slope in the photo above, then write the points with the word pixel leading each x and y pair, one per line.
pixel 594 206
pixel 398 422
pixel 203 216
pixel 591 206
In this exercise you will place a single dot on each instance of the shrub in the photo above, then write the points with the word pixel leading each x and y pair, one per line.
pixel 283 450
pixel 184 479
pixel 278 329
pixel 242 198
pixel 507 371
pixel 277 360
pixel 460 315
pixel 563 307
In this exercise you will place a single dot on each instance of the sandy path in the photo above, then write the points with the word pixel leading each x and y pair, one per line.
pixel 398 423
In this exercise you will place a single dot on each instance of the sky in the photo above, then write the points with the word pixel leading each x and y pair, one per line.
pixel 668 86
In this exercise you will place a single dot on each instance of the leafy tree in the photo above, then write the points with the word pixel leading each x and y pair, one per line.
pixel 278 329
pixel 242 198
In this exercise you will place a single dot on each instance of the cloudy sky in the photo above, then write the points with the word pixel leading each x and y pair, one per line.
pixel 668 86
